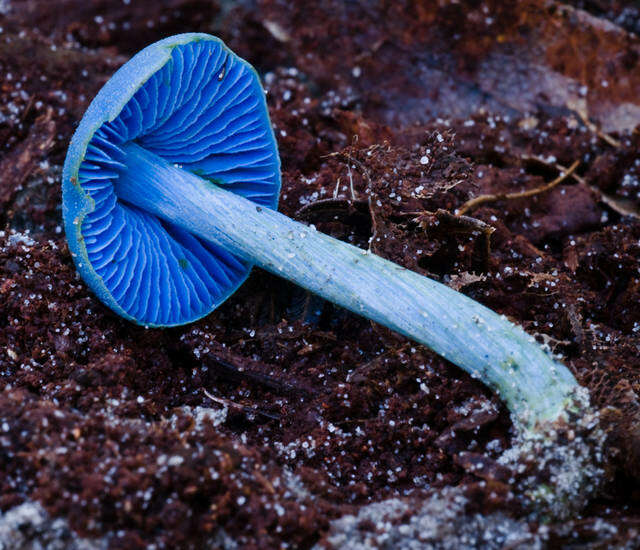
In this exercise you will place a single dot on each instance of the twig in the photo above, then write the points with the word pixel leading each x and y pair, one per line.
pixel 622 206
pixel 593 128
pixel 353 193
pixel 468 223
pixel 227 369
pixel 492 197
pixel 337 189
pixel 374 226
pixel 362 373
pixel 246 410
pixel 458 224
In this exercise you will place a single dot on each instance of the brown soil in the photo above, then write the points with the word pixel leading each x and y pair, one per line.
pixel 318 412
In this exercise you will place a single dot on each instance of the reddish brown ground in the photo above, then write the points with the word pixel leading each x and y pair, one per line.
pixel 98 418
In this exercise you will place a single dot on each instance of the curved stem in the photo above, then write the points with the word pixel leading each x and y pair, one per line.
pixel 461 330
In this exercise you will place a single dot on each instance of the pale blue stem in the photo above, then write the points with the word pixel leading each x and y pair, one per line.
pixel 461 330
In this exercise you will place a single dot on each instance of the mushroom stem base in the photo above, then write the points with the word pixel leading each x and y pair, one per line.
pixel 485 344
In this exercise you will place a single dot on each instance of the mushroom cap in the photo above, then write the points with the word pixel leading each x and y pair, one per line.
pixel 192 101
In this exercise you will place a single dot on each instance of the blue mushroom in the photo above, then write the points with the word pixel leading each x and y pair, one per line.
pixel 185 101
pixel 170 189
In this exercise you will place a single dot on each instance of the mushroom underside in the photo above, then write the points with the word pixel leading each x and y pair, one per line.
pixel 203 111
